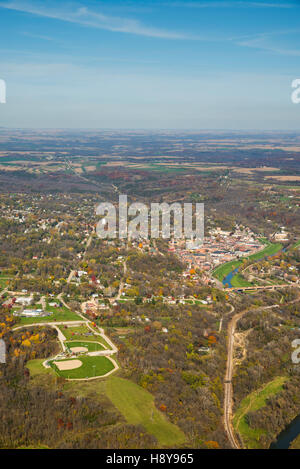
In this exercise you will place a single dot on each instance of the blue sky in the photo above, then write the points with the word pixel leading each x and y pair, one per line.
pixel 150 64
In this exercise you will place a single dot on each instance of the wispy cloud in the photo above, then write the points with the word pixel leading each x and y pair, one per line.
pixel 233 4
pixel 267 42
pixel 38 36
pixel 93 19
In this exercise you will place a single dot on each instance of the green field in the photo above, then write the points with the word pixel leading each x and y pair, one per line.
pixel 224 269
pixel 137 406
pixel 91 346
pixel 91 367
pixel 59 314
pixel 77 332
pixel 254 401
pixel 239 281
pixel 36 367
pixel 82 333
pixel 270 250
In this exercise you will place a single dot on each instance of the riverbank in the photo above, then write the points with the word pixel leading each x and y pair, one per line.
pixel 289 437
pixel 228 273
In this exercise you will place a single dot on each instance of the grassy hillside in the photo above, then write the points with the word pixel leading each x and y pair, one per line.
pixel 254 401
pixel 137 406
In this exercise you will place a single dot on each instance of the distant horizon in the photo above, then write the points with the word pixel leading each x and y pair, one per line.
pixel 109 129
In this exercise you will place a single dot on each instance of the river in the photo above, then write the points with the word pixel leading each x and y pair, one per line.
pixel 227 280
pixel 286 437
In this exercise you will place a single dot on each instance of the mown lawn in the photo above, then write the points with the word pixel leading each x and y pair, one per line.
pixel 270 250
pixel 224 269
pixel 36 367
pixel 91 346
pixel 77 333
pixel 91 367
pixel 239 281
pixel 254 401
pixel 137 406
pixel 82 333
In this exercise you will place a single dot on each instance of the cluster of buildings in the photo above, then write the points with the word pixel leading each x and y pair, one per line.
pixel 22 303
pixel 282 236
pixel 217 248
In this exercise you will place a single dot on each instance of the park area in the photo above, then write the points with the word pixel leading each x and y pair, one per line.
pixel 82 333
pixel 84 367
pixel 85 346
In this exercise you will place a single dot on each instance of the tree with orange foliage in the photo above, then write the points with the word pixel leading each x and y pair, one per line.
pixel 211 340
pixel 212 444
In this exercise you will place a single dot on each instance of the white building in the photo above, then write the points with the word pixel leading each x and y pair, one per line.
pixel 24 300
